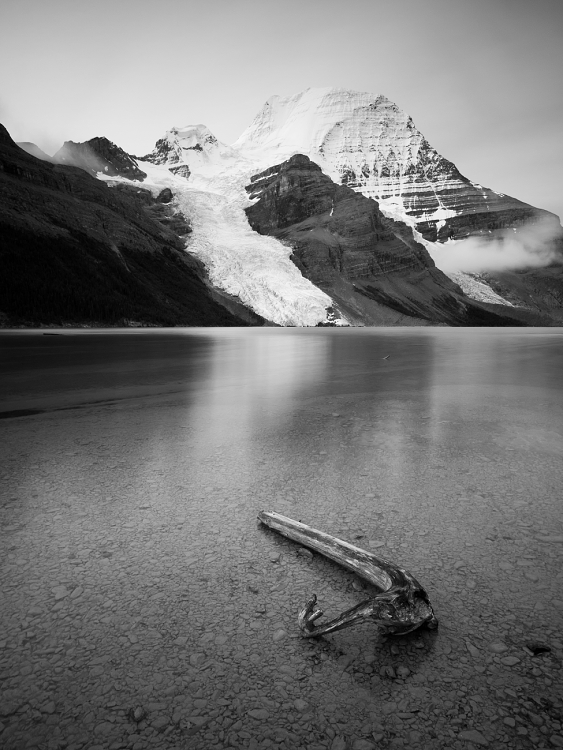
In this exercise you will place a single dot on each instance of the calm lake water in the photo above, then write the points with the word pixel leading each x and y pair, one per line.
pixel 400 404
pixel 134 463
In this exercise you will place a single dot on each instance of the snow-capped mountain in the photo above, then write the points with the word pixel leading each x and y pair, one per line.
pixel 339 257
pixel 195 147
pixel 368 143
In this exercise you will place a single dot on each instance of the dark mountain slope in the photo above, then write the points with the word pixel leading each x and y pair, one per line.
pixel 99 155
pixel 370 265
pixel 75 251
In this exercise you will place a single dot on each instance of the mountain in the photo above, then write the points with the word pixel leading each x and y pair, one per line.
pixel 331 208
pixel 99 155
pixel 74 251
pixel 193 148
pixel 367 263
pixel 369 144
pixel 343 132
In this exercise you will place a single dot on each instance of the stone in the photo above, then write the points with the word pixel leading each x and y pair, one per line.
pixel 103 728
pixel 160 723
pixel 304 552
pixel 498 647
pixel 338 743
pixel 261 714
pixel 300 704
pixel 361 744
pixel 388 671
pixel 279 635
pixel 556 740
pixel 197 659
pixel 472 735
pixel 137 714
pixel 510 661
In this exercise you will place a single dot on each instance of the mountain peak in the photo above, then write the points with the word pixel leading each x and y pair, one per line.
pixel 99 155
pixel 301 122
pixel 192 146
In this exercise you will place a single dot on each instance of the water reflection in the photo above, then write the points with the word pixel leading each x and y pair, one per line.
pixel 324 405
pixel 253 388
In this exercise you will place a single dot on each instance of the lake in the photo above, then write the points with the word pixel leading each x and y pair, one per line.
pixel 134 574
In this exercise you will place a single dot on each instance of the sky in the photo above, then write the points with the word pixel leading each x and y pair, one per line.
pixel 482 79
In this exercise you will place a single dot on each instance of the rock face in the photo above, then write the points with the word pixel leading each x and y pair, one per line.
pixel 181 171
pixel 99 155
pixel 74 251
pixel 187 149
pixel 367 143
pixel 369 264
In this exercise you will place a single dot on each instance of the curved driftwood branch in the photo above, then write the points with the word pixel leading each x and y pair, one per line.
pixel 402 606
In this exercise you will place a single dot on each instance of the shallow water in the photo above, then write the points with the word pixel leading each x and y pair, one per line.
pixel 133 467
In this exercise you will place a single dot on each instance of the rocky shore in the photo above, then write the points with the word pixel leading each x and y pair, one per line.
pixel 144 608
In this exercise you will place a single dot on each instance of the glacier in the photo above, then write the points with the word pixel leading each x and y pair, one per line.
pixel 358 139
pixel 254 268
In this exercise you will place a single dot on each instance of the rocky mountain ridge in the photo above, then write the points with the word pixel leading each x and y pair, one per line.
pixel 189 149
pixel 74 251
pixel 369 144
pixel 367 263
pixel 93 156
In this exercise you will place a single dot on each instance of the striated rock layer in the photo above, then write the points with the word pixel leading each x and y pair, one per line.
pixel 369 144
pixel 370 265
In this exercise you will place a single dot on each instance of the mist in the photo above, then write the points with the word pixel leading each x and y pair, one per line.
pixel 531 246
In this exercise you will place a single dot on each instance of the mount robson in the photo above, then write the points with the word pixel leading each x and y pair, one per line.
pixel 331 209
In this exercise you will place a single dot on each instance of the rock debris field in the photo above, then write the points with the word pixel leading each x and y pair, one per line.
pixel 143 606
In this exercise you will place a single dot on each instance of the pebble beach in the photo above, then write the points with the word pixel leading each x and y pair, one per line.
pixel 145 608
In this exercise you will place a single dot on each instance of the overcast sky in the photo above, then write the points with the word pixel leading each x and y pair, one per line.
pixel 482 79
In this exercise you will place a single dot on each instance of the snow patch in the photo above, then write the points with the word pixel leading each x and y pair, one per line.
pixel 477 288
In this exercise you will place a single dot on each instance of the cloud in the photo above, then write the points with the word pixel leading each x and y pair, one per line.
pixel 532 245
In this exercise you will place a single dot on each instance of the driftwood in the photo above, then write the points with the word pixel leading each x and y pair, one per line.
pixel 402 606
